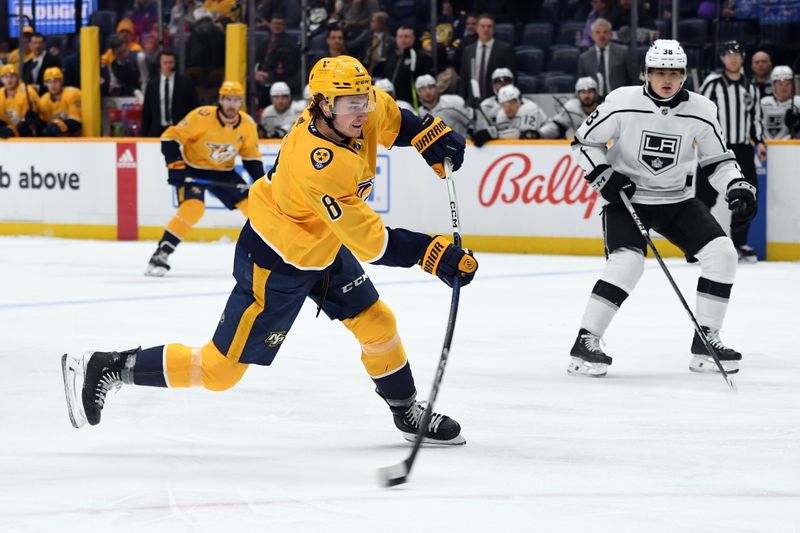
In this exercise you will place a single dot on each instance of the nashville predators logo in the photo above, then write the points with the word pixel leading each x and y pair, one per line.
pixel 221 152
pixel 321 158
pixel 365 188
pixel 204 112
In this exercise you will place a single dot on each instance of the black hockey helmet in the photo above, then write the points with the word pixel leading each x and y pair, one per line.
pixel 731 47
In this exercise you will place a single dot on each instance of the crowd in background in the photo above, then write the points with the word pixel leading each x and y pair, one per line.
pixel 480 46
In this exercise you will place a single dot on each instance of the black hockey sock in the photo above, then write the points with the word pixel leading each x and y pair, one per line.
pixel 169 241
pixel 148 370
pixel 397 388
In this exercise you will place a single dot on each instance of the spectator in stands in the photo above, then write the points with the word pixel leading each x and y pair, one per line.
pixel 13 57
pixel 280 59
pixel 373 46
pixel 60 107
pixel 144 15
pixel 318 15
pixel 167 97
pixel 621 15
pixel 573 112
pixel 19 105
pixel 205 56
pixel 278 118
pixel 335 41
pixel 127 32
pixel 183 12
pixel 224 9
pixel 405 65
pixel 266 9
pixel 464 35
pixel 124 72
pixel 353 16
pixel 781 111
pixel 480 59
pixel 761 65
pixel 600 9
pixel 517 119
pixel 610 64
pixel 401 13
pixel 387 86
pixel 41 60
pixel 491 105
pixel 449 107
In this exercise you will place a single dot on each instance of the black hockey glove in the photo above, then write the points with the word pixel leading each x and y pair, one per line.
pixel 792 118
pixel 176 176
pixel 436 142
pixel 609 183
pixel 481 137
pixel 741 197
pixel 444 260
pixel 51 130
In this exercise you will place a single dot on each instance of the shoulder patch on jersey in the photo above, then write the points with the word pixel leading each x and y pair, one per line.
pixel 321 158
pixel 203 112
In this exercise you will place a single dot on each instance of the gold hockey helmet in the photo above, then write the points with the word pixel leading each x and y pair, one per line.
pixel 231 88
pixel 340 76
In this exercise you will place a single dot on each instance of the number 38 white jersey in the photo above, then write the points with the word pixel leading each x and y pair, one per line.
pixel 657 146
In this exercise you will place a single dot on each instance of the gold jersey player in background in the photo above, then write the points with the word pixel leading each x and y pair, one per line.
pixel 60 107
pixel 200 152
pixel 309 227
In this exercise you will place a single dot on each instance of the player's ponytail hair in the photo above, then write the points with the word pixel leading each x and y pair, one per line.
pixel 314 108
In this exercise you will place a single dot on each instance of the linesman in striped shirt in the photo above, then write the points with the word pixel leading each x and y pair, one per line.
pixel 739 113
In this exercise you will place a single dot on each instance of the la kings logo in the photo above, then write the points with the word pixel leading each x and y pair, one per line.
pixel 659 151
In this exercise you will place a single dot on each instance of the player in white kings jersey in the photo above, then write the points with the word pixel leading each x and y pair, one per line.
pixel 654 130
pixel 781 111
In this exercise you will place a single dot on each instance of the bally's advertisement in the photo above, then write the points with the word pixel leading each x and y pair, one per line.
pixel 527 196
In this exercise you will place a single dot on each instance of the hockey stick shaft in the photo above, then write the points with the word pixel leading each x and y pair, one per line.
pixel 212 183
pixel 399 473
pixel 627 203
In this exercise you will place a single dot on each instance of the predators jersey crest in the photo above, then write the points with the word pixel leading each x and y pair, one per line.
pixel 208 142
pixel 321 158
pixel 221 153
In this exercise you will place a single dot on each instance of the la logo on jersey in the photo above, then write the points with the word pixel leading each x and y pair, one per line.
pixel 659 151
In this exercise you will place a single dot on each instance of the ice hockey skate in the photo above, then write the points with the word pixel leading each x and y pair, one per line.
pixel 87 381
pixel 704 362
pixel 747 254
pixel 588 358
pixel 441 429
pixel 158 265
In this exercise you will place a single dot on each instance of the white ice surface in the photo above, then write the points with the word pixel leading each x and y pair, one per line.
pixel 295 447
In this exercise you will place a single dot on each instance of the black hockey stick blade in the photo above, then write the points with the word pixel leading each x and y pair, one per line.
pixel 391 476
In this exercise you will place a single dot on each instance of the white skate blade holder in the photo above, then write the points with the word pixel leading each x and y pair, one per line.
pixel 705 364
pixel 579 367
pixel 73 371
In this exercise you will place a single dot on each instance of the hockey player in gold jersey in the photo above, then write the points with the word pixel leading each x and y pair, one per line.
pixel 19 105
pixel 200 152
pixel 60 107
pixel 309 226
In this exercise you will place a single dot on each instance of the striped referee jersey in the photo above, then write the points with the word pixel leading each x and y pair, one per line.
pixel 738 107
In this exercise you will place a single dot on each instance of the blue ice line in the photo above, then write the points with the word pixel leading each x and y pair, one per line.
pixel 120 299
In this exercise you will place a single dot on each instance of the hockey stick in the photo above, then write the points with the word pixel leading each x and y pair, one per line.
pixel 398 474
pixel 728 379
pixel 211 183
